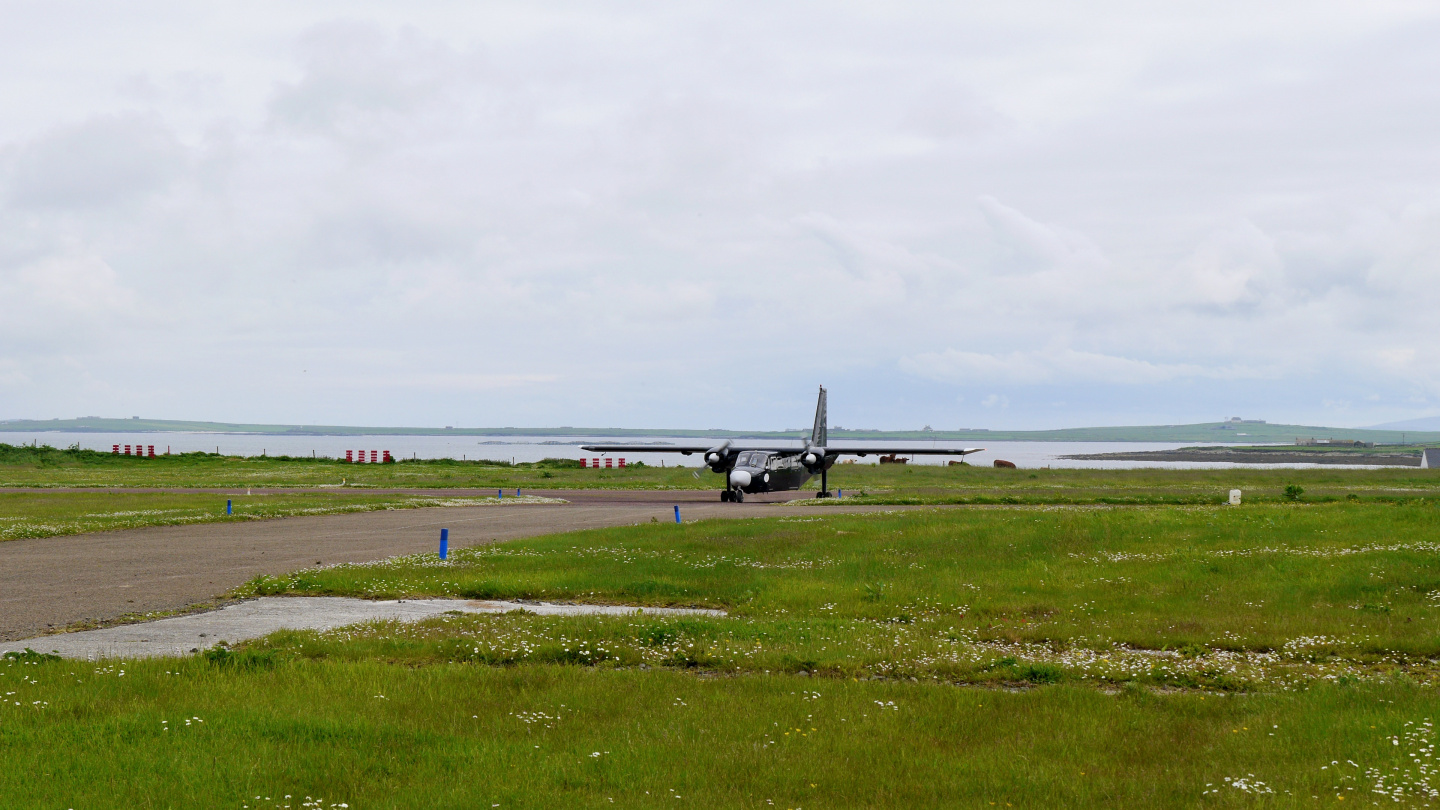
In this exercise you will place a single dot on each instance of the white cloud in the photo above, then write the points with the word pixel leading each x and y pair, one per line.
pixel 1034 246
pixel 1238 265
pixel 80 284
pixel 12 375
pixel 695 213
pixel 1055 365
pixel 100 161
pixel 437 381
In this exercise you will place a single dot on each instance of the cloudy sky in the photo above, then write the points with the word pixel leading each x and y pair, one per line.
pixel 1007 215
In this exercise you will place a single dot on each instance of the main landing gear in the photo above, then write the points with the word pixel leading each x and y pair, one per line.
pixel 736 495
pixel 824 485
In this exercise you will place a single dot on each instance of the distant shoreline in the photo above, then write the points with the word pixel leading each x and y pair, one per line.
pixel 1201 433
pixel 1252 455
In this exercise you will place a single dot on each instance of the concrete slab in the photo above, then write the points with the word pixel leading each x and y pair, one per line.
pixel 182 635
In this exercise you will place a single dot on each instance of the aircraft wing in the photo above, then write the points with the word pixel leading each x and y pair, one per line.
pixel 685 449
pixel 843 450
pixel 901 451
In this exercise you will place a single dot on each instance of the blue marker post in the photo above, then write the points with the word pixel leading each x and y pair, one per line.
pixel 677 513
pixel 517 492
pixel 228 510
pixel 500 493
pixel 839 493
pixel 444 543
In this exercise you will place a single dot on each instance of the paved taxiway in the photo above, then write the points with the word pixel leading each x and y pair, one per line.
pixel 53 582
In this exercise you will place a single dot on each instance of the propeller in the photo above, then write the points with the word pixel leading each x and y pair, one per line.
pixel 813 457
pixel 717 454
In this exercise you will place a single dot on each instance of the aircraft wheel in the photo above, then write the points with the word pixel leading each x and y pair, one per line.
pixel 738 496
pixel 724 496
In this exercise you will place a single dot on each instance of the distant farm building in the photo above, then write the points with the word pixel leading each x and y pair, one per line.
pixel 1313 442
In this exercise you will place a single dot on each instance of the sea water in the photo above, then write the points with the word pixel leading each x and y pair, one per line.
pixel 534 448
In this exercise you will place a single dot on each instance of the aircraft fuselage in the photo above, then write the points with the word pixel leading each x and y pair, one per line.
pixel 756 471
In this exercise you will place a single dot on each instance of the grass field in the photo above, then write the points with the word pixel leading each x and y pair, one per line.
pixel 373 735
pixel 26 515
pixel 1251 598
pixel 1266 655
pixel 45 468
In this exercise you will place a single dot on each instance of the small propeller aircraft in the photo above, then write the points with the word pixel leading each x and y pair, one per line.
pixel 755 468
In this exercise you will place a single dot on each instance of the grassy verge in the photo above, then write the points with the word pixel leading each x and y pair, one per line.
pixel 26 515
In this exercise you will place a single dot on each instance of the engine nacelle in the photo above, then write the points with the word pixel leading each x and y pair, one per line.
pixel 716 455
pixel 813 458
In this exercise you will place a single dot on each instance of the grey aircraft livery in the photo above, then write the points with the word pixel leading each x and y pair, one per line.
pixel 757 468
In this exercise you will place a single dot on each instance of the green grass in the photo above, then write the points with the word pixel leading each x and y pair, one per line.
pixel 25 515
pixel 1030 656
pixel 43 467
pixel 910 484
pixel 1267 597
pixel 197 733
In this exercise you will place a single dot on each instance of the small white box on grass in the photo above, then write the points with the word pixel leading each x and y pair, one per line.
pixel 1234 497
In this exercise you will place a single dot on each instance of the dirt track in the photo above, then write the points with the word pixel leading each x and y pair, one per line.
pixel 56 581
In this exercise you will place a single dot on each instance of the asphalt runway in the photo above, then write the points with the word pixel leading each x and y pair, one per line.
pixel 53 582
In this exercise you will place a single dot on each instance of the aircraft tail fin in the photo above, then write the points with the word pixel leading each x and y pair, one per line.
pixel 820 435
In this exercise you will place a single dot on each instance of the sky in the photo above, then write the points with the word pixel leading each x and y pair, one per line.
pixel 657 214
